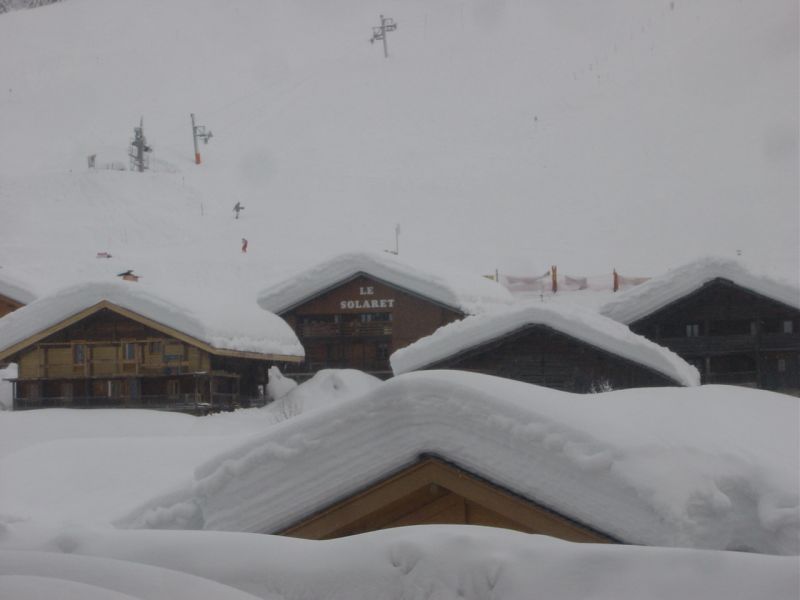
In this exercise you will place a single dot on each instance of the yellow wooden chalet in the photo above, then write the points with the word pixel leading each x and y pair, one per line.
pixel 116 345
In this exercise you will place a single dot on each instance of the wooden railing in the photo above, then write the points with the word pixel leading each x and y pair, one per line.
pixel 723 344
pixel 54 363
pixel 190 403
pixel 734 378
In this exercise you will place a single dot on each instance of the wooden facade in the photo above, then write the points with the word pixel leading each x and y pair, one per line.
pixel 433 491
pixel 543 356
pixel 360 322
pixel 109 357
pixel 8 305
pixel 732 335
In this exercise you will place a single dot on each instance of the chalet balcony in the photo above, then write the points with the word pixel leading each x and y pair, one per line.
pixel 352 329
pixel 727 344
pixel 744 378
pixel 186 403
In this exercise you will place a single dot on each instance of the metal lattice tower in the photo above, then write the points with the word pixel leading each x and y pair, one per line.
pixel 379 33
pixel 138 150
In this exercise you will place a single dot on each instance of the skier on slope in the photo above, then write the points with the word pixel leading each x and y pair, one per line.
pixel 237 209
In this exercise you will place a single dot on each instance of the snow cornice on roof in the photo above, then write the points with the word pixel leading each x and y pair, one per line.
pixel 232 328
pixel 659 292
pixel 15 291
pixel 574 321
pixel 462 292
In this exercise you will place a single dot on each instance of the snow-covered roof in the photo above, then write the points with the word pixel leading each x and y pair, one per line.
pixel 574 321
pixel 11 288
pixel 465 292
pixel 225 324
pixel 710 466
pixel 657 293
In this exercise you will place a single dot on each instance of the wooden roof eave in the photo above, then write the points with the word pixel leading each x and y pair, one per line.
pixel 105 304
pixel 11 301
pixel 722 281
pixel 430 469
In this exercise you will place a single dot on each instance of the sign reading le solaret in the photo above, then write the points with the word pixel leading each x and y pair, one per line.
pixel 367 302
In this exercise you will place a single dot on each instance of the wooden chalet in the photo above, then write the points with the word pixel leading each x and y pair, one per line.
pixel 736 328
pixel 564 348
pixel 106 346
pixel 355 310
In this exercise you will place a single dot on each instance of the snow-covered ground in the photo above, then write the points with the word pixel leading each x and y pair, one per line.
pixel 415 563
pixel 101 464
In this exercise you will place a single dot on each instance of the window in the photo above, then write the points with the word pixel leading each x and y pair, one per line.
pixel 371 317
pixel 782 365
pixel 693 330
pixel 155 348
pixel 788 326
pixel 78 354
pixel 129 351
pixel 173 352
pixel 382 351
pixel 173 388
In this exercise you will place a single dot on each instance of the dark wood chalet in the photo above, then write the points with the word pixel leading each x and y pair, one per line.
pixel 733 335
pixel 109 356
pixel 355 310
pixel 561 347
pixel 360 322
pixel 544 356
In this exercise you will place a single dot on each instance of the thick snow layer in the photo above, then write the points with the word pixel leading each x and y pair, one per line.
pixel 34 575
pixel 464 292
pixel 224 323
pixel 710 467
pixel 10 288
pixel 414 563
pixel 101 464
pixel 571 320
pixel 649 297
pixel 326 387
